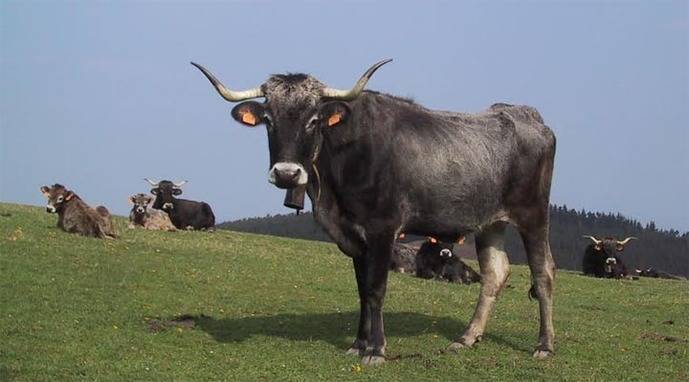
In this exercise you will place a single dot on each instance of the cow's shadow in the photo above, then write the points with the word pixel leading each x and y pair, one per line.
pixel 337 329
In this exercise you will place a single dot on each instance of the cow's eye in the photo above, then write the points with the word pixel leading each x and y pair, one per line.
pixel 60 198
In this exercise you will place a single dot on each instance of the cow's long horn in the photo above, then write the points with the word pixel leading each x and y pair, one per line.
pixel 625 241
pixel 348 95
pixel 180 184
pixel 596 241
pixel 230 95
pixel 154 184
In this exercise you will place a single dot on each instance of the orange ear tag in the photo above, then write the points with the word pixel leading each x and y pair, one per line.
pixel 432 240
pixel 334 119
pixel 248 118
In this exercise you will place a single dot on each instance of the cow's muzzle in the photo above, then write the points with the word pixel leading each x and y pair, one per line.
pixel 140 210
pixel 168 206
pixel 50 209
pixel 445 253
pixel 288 175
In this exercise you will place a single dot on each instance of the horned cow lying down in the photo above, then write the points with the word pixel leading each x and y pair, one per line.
pixel 75 216
pixel 433 259
pixel 143 215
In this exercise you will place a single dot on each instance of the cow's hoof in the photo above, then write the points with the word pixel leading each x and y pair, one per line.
pixel 373 360
pixel 542 354
pixel 458 346
pixel 354 351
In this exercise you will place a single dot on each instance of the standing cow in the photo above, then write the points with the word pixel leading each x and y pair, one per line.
pixel 376 165
pixel 75 216
pixel 184 214
pixel 601 257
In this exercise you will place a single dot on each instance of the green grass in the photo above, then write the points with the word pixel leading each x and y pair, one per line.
pixel 269 308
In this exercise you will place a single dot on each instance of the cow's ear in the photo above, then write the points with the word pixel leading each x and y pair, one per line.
pixel 620 247
pixel 69 195
pixel 176 191
pixel 333 113
pixel 154 191
pixel 131 200
pixel 45 190
pixel 598 247
pixel 249 113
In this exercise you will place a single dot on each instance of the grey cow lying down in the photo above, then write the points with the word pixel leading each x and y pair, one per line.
pixel 75 216
pixel 433 260
pixel 145 216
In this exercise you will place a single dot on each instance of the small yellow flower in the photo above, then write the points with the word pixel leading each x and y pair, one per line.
pixel 356 368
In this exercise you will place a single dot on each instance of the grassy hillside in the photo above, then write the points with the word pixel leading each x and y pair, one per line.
pixel 269 308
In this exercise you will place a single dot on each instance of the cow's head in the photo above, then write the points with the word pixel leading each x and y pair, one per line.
pixel 296 108
pixel 140 203
pixel 434 247
pixel 609 248
pixel 165 191
pixel 57 196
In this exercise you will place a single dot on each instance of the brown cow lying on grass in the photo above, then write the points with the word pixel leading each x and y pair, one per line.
pixel 143 215
pixel 75 216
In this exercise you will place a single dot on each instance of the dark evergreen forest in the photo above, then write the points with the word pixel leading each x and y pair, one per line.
pixel 667 250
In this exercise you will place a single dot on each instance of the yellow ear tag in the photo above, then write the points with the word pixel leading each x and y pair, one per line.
pixel 248 118
pixel 334 119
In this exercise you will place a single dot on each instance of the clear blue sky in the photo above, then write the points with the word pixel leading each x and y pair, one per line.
pixel 98 95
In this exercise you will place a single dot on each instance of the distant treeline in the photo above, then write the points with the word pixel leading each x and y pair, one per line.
pixel 667 250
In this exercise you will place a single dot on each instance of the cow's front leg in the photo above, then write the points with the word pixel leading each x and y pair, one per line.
pixel 361 341
pixel 378 260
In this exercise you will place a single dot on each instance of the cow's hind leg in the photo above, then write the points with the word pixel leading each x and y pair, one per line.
pixel 495 270
pixel 542 275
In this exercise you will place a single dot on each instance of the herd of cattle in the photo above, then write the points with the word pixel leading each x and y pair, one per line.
pixel 433 259
pixel 165 212
pixel 376 166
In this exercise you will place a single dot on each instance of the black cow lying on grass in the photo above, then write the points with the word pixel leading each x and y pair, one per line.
pixel 433 260
pixel 75 216
pixel 601 258
pixel 184 214
pixel 437 260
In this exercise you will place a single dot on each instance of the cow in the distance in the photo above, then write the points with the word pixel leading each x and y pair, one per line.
pixel 75 216
pixel 143 215
pixel 403 259
pixel 184 214
pixel 437 259
pixel 602 258
pixel 376 165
